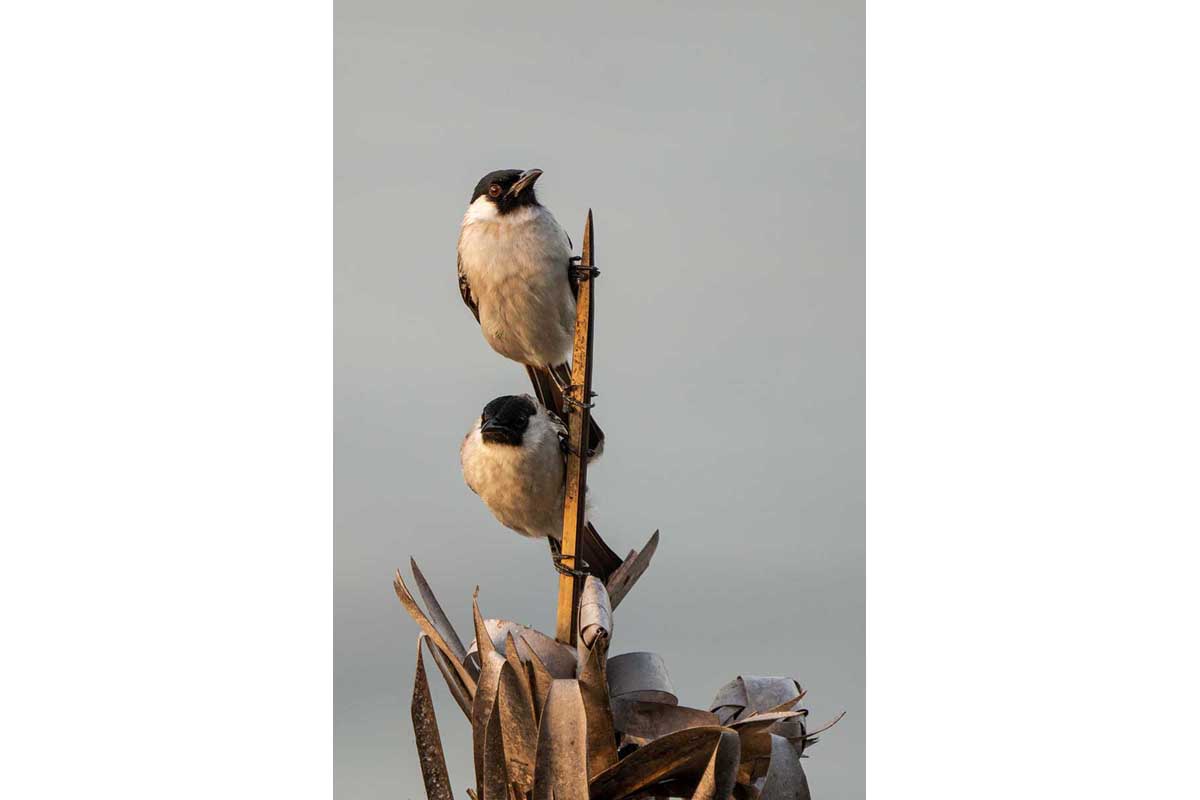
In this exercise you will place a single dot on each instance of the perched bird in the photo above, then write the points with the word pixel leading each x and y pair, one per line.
pixel 514 458
pixel 516 274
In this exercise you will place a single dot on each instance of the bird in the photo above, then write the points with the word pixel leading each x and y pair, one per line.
pixel 517 276
pixel 514 458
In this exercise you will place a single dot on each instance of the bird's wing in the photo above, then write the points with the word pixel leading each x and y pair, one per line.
pixel 560 429
pixel 571 279
pixel 464 288
pixel 462 457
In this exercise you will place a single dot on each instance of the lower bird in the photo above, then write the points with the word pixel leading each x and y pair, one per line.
pixel 514 458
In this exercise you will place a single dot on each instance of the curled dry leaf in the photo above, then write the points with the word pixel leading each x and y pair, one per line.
pixel 754 694
pixel 558 658
pixel 642 722
pixel 640 676
pixel 595 613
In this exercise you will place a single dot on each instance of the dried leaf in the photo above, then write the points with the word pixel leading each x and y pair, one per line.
pixel 494 783
pixel 756 723
pixel 482 640
pixel 436 615
pixel 756 735
pixel 429 740
pixel 595 613
pixel 519 671
pixel 664 790
pixel 481 709
pixel 626 575
pixel 756 744
pixel 601 739
pixel 720 774
pixel 786 705
pixel 643 722
pixel 767 692
pixel 683 755
pixel 453 682
pixel 785 779
pixel 517 725
pixel 756 731
pixel 539 681
pixel 561 771
pixel 640 676
pixel 750 694
pixel 807 738
pixel 827 725
pixel 730 701
pixel 557 657
pixel 428 628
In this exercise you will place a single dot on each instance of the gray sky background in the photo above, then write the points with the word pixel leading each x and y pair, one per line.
pixel 722 151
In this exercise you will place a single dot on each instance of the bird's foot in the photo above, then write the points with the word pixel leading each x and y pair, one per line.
pixel 563 385
pixel 581 272
pixel 568 393
pixel 557 557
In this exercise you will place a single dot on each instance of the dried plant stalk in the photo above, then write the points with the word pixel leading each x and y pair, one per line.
pixel 577 428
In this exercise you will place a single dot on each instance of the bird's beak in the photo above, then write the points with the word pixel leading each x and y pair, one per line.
pixel 493 431
pixel 527 179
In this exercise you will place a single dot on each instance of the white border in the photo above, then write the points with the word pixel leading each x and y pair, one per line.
pixel 1033 405
pixel 165 319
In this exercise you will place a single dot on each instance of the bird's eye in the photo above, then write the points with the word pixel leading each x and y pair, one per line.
pixel 494 190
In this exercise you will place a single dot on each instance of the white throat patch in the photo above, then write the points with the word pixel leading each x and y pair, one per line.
pixel 484 210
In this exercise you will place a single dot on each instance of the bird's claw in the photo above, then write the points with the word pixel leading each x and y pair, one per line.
pixel 570 400
pixel 565 446
pixel 558 381
pixel 557 557
pixel 581 272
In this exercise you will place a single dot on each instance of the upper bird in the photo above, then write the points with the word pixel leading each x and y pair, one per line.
pixel 516 275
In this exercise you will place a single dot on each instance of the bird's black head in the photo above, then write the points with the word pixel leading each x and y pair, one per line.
pixel 505 419
pixel 508 189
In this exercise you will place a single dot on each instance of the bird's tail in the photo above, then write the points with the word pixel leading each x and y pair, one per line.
pixel 600 558
pixel 549 395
